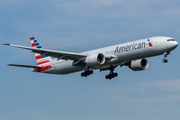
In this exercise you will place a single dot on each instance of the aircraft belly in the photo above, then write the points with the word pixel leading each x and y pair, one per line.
pixel 66 68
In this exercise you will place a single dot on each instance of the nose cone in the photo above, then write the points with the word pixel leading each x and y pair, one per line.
pixel 172 45
pixel 176 43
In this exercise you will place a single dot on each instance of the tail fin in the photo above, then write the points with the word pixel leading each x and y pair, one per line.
pixel 41 59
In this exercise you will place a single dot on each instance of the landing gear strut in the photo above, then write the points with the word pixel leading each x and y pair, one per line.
pixel 165 55
pixel 111 74
pixel 86 73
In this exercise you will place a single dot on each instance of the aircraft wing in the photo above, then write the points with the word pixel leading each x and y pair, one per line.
pixel 53 53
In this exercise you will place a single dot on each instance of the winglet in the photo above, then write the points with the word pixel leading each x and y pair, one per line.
pixel 5 44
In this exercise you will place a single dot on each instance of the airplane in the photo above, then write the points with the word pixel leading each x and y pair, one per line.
pixel 132 54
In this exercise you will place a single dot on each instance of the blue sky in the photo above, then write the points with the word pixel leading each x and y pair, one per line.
pixel 78 26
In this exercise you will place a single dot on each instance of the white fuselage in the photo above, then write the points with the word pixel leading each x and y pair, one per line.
pixel 118 54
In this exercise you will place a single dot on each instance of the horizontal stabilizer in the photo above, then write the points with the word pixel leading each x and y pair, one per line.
pixel 5 44
pixel 26 66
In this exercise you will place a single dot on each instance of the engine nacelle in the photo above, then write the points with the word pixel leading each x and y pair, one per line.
pixel 95 59
pixel 137 65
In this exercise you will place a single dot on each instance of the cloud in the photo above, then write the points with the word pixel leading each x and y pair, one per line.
pixel 166 91
pixel 134 100
pixel 173 85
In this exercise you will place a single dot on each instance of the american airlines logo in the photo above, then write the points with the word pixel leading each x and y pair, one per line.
pixel 149 43
pixel 134 46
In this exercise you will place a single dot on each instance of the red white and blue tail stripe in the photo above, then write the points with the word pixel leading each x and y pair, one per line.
pixel 42 60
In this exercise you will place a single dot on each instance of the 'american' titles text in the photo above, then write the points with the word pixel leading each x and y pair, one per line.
pixel 134 46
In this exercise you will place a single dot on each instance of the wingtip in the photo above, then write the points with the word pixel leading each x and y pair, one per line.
pixel 5 44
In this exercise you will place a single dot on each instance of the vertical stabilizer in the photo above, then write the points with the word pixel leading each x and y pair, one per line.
pixel 42 60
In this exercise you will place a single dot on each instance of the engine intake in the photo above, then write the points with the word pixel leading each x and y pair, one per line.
pixel 138 65
pixel 95 59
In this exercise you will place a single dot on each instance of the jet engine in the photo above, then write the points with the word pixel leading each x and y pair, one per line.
pixel 138 65
pixel 95 59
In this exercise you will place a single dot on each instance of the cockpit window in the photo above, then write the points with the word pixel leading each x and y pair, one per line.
pixel 170 40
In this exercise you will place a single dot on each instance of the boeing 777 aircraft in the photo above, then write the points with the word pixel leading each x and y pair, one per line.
pixel 132 54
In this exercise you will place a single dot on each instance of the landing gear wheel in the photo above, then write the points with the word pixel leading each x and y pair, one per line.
pixel 82 74
pixel 107 77
pixel 86 73
pixel 165 60
pixel 111 75
pixel 115 74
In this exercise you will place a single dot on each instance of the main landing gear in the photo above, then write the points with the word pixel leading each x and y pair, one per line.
pixel 86 73
pixel 111 74
pixel 165 55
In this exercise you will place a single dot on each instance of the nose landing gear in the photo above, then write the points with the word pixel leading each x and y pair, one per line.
pixel 165 55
